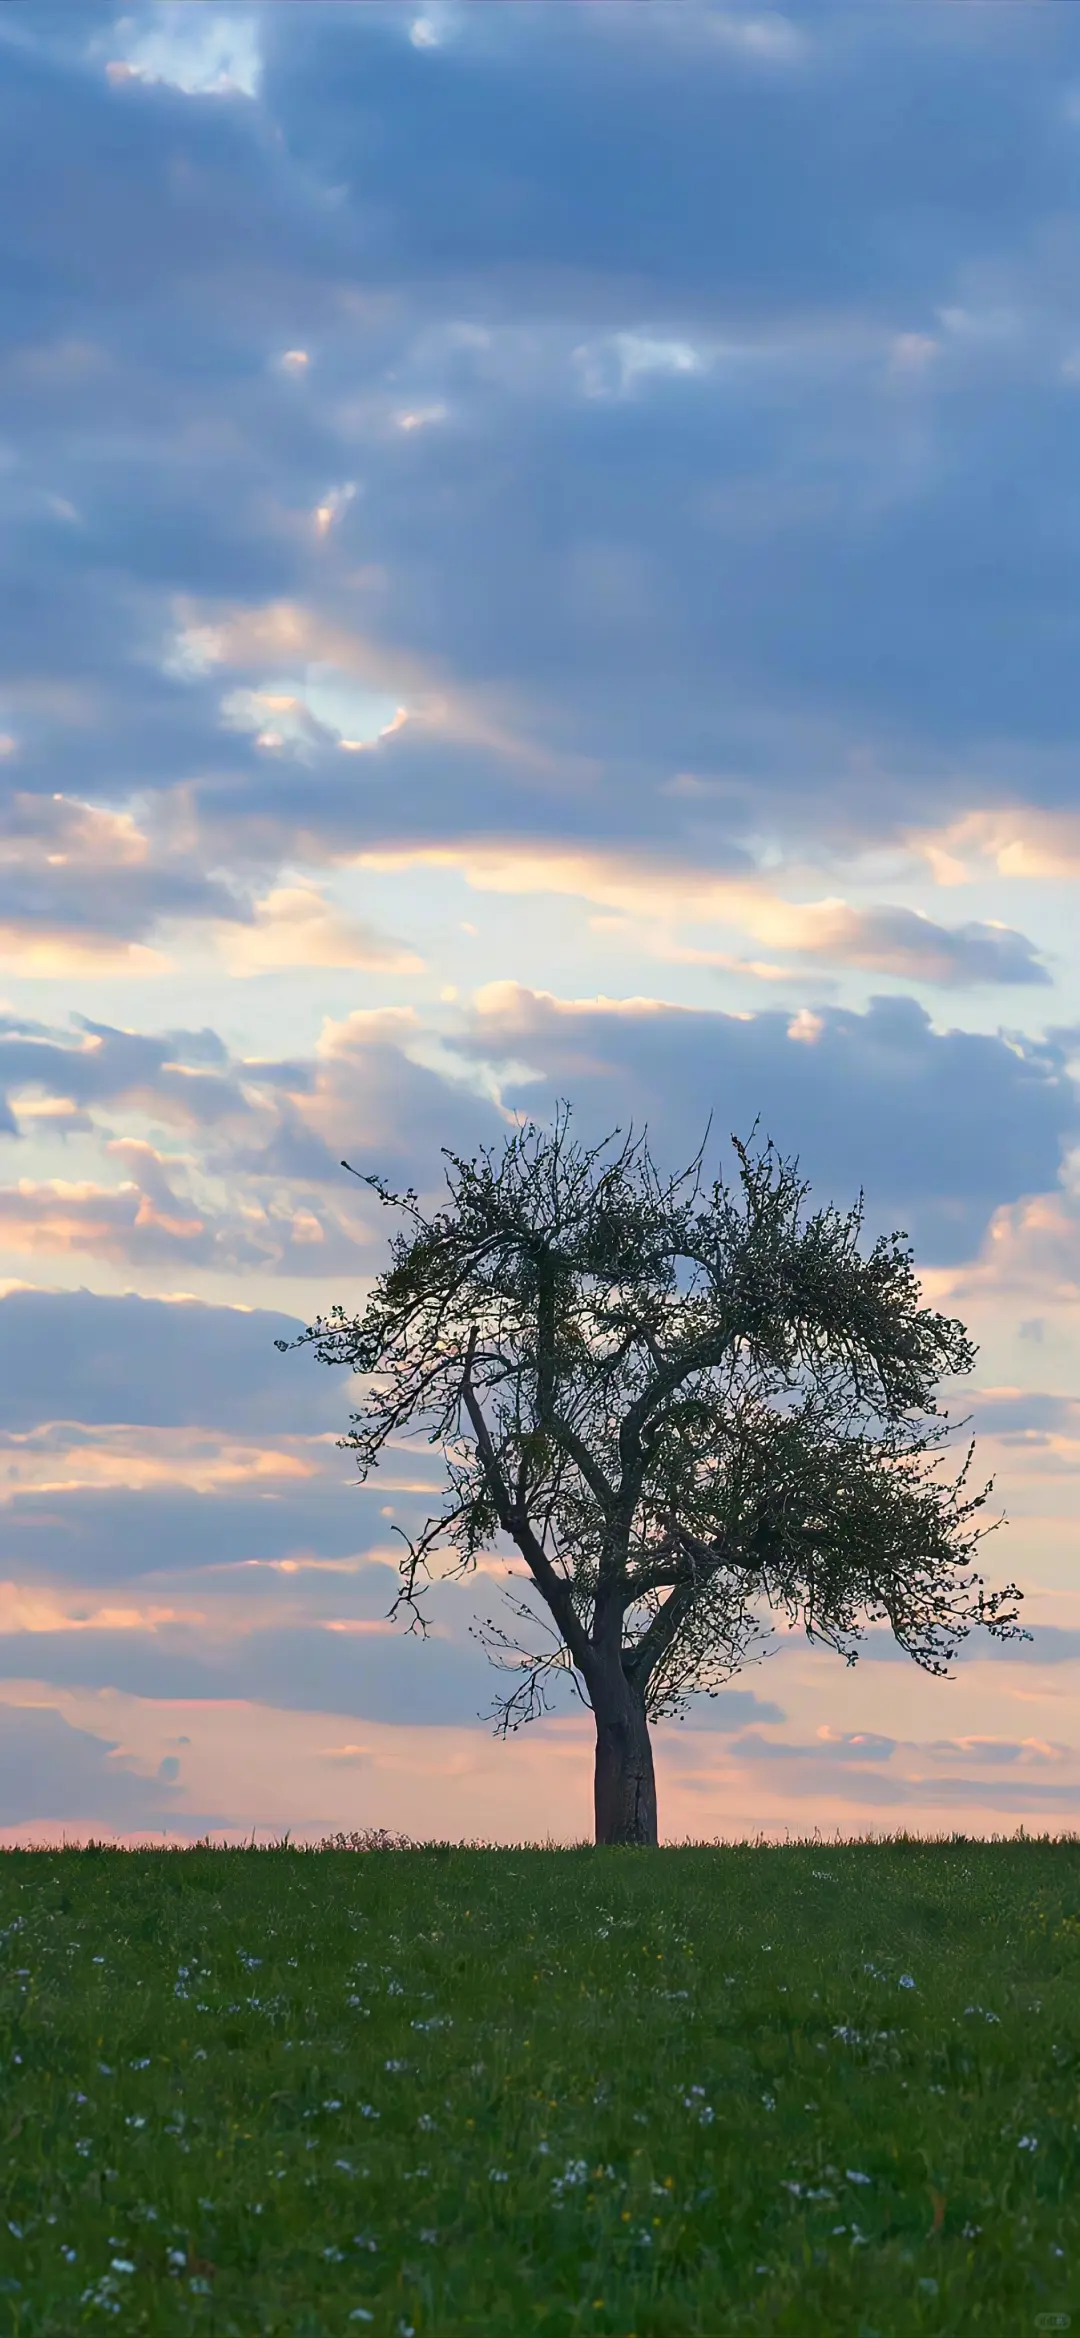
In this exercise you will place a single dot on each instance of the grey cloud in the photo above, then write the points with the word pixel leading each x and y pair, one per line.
pixel 90 1538
pixel 491 201
pixel 1026 1416
pixel 78 1356
pixel 896 941
pixel 1048 1644
pixel 731 1709
pixel 997 1794
pixel 245 1112
pixel 995 1750
pixel 391 1677
pixel 50 1770
pixel 180 1073
pixel 248 1113
pixel 67 870
pixel 940 1128
pixel 860 1746
pixel 856 1746
pixel 874 1789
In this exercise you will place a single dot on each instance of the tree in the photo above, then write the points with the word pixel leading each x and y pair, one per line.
pixel 688 1406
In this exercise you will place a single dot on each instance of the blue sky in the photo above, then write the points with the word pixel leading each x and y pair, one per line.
pixel 542 559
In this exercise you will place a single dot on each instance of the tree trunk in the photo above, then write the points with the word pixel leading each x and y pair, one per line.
pixel 625 1782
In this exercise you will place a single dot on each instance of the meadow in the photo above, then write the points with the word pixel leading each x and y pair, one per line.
pixel 817 2089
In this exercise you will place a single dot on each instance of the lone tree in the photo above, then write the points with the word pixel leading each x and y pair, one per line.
pixel 689 1406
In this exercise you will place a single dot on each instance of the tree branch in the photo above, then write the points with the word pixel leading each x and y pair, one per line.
pixel 515 1523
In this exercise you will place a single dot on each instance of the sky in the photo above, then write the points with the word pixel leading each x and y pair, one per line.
pixel 541 559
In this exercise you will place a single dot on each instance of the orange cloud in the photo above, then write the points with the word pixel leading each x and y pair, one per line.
pixel 297 926
pixel 53 956
pixel 1017 841
pixel 48 1461
pixel 879 939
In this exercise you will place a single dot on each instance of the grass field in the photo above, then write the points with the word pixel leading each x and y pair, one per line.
pixel 808 2090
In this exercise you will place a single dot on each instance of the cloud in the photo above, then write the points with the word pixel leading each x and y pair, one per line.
pixel 152 1220
pixel 716 567
pixel 858 1746
pixel 171 1537
pixel 904 942
pixel 514 241
pixel 731 1709
pixel 882 940
pixel 1027 1417
pixel 1021 840
pixel 62 1458
pixel 1048 1644
pixel 452 506
pixel 1030 1249
pixel 877 1771
pixel 51 1770
pixel 617 367
pixel 82 886
pixel 950 1133
pixel 183 1076
pixel 1029 1751
pixel 937 1126
pixel 209 56
pixel 259 1183
pixel 383 1677
pixel 78 1356
pixel 296 925
pixel 772 39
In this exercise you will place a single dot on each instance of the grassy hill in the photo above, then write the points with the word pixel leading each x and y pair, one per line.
pixel 811 2090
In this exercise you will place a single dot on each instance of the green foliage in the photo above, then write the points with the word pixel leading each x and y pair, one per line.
pixel 692 1409
pixel 820 2090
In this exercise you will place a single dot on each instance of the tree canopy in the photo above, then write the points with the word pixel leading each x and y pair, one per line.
pixel 690 1406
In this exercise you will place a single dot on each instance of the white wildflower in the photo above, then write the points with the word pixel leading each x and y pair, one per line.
pixel 575 2172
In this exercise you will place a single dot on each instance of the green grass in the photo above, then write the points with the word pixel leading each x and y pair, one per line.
pixel 546 2092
